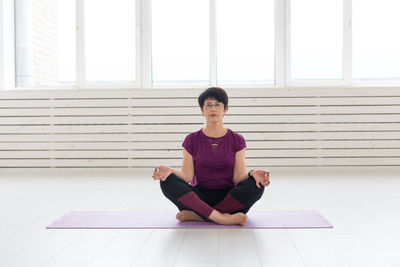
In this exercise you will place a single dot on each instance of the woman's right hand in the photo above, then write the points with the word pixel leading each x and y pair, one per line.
pixel 161 172
pixel 261 177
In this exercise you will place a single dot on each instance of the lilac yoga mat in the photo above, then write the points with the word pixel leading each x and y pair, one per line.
pixel 166 220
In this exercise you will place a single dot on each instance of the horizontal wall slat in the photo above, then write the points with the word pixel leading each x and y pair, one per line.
pixel 192 102
pixel 182 128
pixel 178 136
pixel 121 146
pixel 183 119
pixel 148 163
pixel 133 111
pixel 176 154
pixel 176 145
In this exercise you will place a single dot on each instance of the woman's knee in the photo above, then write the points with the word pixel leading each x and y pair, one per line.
pixel 252 187
pixel 257 191
pixel 169 182
pixel 174 186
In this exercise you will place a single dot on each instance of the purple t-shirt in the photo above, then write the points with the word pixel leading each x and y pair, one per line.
pixel 214 158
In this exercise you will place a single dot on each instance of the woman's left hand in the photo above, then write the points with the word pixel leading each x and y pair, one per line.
pixel 261 177
pixel 161 172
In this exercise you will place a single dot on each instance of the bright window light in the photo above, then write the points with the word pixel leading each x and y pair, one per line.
pixel 110 40
pixel 316 39
pixel 245 42
pixel 45 43
pixel 180 42
pixel 376 39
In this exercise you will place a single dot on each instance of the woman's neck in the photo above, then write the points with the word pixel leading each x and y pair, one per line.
pixel 215 130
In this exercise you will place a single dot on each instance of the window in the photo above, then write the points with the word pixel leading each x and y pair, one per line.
pixel 110 41
pixel 376 42
pixel 45 43
pixel 180 42
pixel 245 42
pixel 316 39
pixel 198 43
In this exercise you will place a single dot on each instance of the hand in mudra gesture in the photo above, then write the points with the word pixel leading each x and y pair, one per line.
pixel 161 172
pixel 261 177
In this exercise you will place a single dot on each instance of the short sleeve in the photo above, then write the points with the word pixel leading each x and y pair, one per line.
pixel 240 142
pixel 187 144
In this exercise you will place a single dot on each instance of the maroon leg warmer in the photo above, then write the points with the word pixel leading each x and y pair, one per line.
pixel 229 204
pixel 192 201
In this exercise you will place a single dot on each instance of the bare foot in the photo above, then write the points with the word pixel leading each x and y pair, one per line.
pixel 237 218
pixel 229 219
pixel 188 215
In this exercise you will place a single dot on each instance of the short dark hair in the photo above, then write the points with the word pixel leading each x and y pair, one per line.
pixel 217 93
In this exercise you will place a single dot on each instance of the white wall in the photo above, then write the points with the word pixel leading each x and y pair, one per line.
pixel 144 127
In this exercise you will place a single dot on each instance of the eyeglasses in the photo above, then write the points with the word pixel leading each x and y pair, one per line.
pixel 217 106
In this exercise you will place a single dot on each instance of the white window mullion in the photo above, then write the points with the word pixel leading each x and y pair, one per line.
pixel 145 44
pixel 347 42
pixel 80 58
pixel 280 36
pixel 213 43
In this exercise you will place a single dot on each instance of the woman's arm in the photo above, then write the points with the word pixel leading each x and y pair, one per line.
pixel 260 176
pixel 162 172
pixel 239 170
pixel 187 170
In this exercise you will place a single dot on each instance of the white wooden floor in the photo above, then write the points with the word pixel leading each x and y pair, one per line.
pixel 364 208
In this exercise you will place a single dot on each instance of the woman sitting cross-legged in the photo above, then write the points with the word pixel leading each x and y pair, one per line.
pixel 213 183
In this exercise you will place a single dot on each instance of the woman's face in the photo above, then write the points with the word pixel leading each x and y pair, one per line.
pixel 213 110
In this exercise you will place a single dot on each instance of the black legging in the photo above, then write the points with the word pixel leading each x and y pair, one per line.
pixel 203 200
